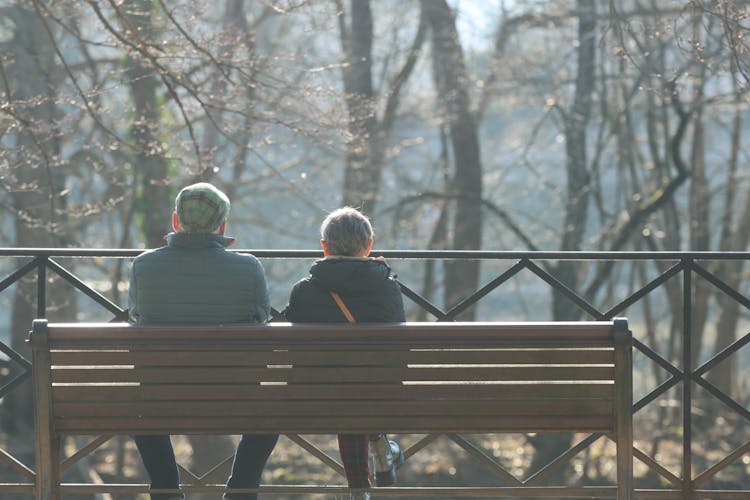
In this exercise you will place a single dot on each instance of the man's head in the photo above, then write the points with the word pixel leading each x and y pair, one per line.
pixel 346 232
pixel 200 208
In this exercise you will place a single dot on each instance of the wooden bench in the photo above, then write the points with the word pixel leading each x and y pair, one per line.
pixel 120 379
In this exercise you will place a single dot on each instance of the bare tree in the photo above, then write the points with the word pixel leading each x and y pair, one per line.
pixel 149 162
pixel 578 188
pixel 36 178
pixel 367 132
pixel 577 194
pixel 451 81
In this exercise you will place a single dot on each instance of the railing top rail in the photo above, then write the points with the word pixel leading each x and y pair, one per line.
pixel 406 254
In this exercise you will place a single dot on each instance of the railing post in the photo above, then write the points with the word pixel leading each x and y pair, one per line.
pixel 47 445
pixel 687 394
pixel 624 407
pixel 41 287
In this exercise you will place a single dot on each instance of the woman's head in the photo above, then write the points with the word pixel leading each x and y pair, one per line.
pixel 346 232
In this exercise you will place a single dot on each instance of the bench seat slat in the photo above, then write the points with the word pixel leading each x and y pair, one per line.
pixel 286 425
pixel 330 374
pixel 343 344
pixel 277 333
pixel 209 392
pixel 318 408
pixel 255 357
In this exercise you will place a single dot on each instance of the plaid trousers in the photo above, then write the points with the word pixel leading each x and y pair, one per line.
pixel 354 450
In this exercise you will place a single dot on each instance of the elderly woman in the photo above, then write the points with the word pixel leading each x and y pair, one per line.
pixel 348 285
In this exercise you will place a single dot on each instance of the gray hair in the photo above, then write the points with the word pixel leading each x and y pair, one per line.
pixel 346 232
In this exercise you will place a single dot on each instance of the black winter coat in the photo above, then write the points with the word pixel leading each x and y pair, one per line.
pixel 366 286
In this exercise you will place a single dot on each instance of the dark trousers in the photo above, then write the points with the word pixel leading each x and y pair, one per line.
pixel 158 459
pixel 249 460
pixel 355 457
pixel 251 456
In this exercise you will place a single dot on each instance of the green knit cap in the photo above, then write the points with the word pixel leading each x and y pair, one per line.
pixel 201 208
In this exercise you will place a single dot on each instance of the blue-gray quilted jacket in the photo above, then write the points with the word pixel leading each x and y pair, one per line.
pixel 194 279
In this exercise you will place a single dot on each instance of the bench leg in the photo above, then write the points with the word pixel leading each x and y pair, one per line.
pixel 624 408
pixel 47 444
pixel 625 490
pixel 48 470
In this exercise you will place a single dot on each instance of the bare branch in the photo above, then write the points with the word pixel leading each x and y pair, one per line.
pixel 658 198
pixel 192 42
pixel 71 75
pixel 402 76
pixel 500 212
pixel 162 72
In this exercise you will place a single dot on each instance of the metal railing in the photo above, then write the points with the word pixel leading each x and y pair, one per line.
pixel 684 372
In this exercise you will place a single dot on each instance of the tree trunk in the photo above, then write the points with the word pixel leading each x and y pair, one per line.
pixel 699 193
pixel 37 199
pixel 363 171
pixel 732 239
pixel 451 81
pixel 723 376
pixel 150 165
pixel 234 31
pixel 547 447
pixel 578 183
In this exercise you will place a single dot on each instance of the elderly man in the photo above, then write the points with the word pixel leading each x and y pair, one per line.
pixel 194 279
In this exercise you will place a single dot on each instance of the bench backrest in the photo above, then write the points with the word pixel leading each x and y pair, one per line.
pixel 325 378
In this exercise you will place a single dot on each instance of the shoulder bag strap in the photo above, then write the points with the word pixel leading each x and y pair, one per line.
pixel 345 310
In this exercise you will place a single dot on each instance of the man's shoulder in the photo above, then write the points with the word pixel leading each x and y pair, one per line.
pixel 242 256
pixel 147 255
pixel 243 259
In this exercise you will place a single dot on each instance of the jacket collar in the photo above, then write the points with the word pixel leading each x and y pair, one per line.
pixel 198 240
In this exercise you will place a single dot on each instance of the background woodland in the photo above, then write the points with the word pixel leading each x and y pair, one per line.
pixel 613 125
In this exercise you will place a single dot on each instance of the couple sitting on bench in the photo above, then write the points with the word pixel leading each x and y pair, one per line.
pixel 195 268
